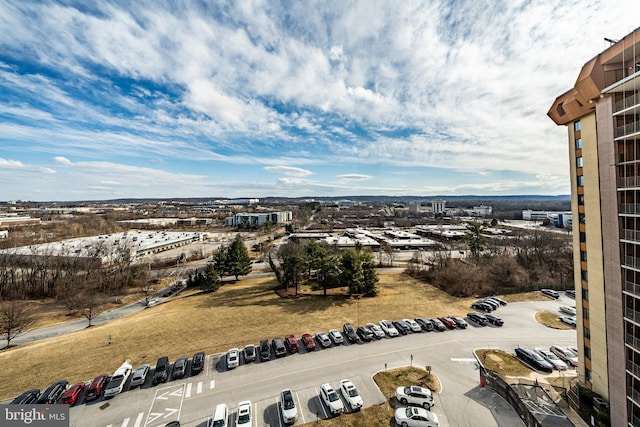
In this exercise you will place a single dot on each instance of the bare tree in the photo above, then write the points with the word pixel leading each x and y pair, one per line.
pixel 91 305
pixel 16 317
pixel 147 293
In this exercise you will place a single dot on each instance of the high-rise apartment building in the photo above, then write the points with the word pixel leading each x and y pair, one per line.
pixel 602 115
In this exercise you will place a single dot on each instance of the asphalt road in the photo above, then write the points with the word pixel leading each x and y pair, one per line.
pixel 461 403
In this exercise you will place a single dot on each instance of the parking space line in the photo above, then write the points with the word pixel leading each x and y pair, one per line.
pixel 212 384
pixel 199 387
pixel 253 414
pixel 125 423
pixel 321 404
pixel 187 394
pixel 278 412
pixel 301 412
pixel 138 420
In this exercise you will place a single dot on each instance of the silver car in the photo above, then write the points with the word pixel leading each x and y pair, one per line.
pixel 550 357
pixel 140 375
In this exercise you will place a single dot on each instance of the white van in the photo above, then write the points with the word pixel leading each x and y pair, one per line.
pixel 220 415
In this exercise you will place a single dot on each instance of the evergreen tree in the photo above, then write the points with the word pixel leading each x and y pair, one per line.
pixel 238 259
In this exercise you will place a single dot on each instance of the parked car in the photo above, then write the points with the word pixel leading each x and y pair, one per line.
pixel 279 348
pixel 197 362
pixel 288 407
pixel 570 294
pixel 351 395
pixel 249 353
pixel 413 325
pixel 118 379
pixel 180 367
pixel 331 399
pixel 550 357
pixel 364 333
pixel 550 293
pixel 494 319
pixel 52 393
pixel 565 354
pixel 477 318
pixel 449 323
pixel 425 324
pixel 388 328
pixel 493 303
pixel 139 375
pixel 220 415
pixel 27 397
pixel 70 397
pixel 411 416
pixel 336 336
pixel 161 372
pixel 350 333
pixel 323 339
pixel 438 325
pixel 401 327
pixel 482 306
pixel 459 321
pixel 377 330
pixel 292 343
pixel 265 350
pixel 96 387
pixel 572 349
pixel 569 320
pixel 416 396
pixel 244 414
pixel 307 341
pixel 571 311
pixel 500 300
pixel 233 358
pixel 534 360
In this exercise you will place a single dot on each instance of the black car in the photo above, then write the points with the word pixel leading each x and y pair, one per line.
pixel 364 333
pixel 265 350
pixel 494 319
pixel 482 306
pixel 534 360
pixel 279 348
pixel 53 393
pixel 402 327
pixel 425 323
pixel 350 333
pixel 438 325
pixel 197 363
pixel 249 353
pixel 161 372
pixel 494 304
pixel 478 318
pixel 570 294
pixel 27 397
pixel 179 367
pixel 499 300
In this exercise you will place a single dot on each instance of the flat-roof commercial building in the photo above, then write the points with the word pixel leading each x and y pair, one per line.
pixel 254 219
pixel 602 115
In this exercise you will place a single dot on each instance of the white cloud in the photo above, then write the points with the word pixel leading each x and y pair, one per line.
pixel 288 170
pixel 19 166
pixel 63 161
pixel 354 177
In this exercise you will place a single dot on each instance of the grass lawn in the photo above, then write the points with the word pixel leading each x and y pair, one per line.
pixel 550 319
pixel 382 415
pixel 503 363
pixel 235 315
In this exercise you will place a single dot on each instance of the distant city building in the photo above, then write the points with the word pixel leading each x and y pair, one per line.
pixel 155 222
pixel 415 207
pixel 529 215
pixel 438 206
pixel 559 219
pixel 255 219
pixel 13 220
pixel 482 210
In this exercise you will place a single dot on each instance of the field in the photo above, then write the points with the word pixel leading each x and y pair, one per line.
pixel 237 314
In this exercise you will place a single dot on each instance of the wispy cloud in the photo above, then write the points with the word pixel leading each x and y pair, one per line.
pixel 288 170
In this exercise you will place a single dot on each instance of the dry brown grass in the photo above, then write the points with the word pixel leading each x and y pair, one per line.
pixel 194 321
pixel 382 415
pixel 503 363
pixel 550 320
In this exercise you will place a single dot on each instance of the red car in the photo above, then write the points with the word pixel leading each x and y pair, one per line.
pixel 291 343
pixel 71 395
pixel 449 323
pixel 96 387
pixel 308 342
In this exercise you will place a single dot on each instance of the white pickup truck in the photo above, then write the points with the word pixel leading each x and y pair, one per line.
pixel 117 380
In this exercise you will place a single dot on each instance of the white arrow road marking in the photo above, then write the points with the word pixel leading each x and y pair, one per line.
pixel 163 396
pixel 154 416
pixel 177 393
pixel 171 412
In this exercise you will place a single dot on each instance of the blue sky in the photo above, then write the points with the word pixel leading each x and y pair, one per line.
pixel 297 98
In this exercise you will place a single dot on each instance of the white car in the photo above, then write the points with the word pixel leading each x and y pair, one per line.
pixel 117 380
pixel 388 328
pixel 415 417
pixel 233 358
pixel 323 339
pixel 244 413
pixel 565 354
pixel 569 320
pixel 336 336
pixel 288 407
pixel 351 394
pixel 571 311
pixel 140 375
pixel 377 330
pixel 413 325
pixel 331 399
pixel 414 395
pixel 552 358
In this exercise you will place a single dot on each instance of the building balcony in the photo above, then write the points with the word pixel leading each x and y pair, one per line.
pixel 633 368
pixel 634 343
pixel 632 288
pixel 632 315
pixel 627 103
pixel 628 130
pixel 631 261
pixel 629 208
pixel 628 182
pixel 633 235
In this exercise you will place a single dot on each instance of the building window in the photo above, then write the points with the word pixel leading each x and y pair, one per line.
pixel 584 275
pixel 586 332
pixel 583 256
pixel 581 181
pixel 578 143
pixel 581 219
pixel 581 199
pixel 587 374
pixel 587 352
pixel 585 313
pixel 583 237
pixel 576 125
pixel 585 295
pixel 579 162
